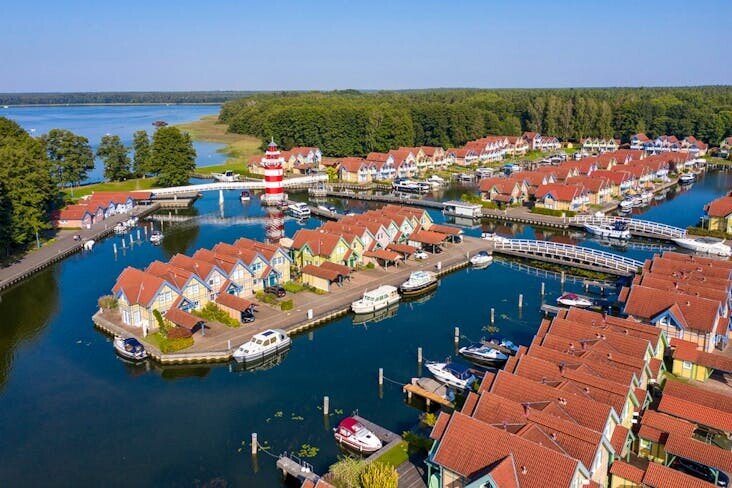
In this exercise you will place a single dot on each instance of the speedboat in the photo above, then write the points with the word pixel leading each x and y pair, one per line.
pixel 263 344
pixel 455 375
pixel 482 354
pixel 129 348
pixel 490 236
pixel 482 258
pixel 409 186
pixel 352 433
pixel 436 181
pixel 245 196
pixel 573 300
pixel 509 347
pixel 299 210
pixel 156 237
pixel 227 176
pixel 687 178
pixel 615 230
pixel 627 204
pixel 376 299
pixel 419 282
pixel 706 245
pixel 328 208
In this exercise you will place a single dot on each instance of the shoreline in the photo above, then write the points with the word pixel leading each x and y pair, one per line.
pixel 117 104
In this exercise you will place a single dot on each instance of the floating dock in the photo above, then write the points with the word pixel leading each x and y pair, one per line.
pixel 430 390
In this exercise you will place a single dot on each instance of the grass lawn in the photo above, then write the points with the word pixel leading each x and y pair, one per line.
pixel 396 455
pixel 128 185
pixel 239 148
pixel 168 345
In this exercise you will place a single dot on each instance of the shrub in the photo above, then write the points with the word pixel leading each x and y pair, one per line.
pixel 700 231
pixel 162 325
pixel 266 298
pixel 108 302
pixel 417 442
pixel 286 305
pixel 294 287
pixel 168 345
pixel 213 313
pixel 178 333
pixel 429 419
pixel 370 265
pixel 346 473
pixel 379 475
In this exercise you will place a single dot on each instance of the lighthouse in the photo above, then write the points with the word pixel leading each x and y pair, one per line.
pixel 274 191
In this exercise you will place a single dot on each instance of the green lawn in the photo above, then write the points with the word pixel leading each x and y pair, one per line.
pixel 128 185
pixel 168 345
pixel 396 455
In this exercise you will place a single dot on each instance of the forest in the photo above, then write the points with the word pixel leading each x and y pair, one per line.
pixel 119 97
pixel 350 122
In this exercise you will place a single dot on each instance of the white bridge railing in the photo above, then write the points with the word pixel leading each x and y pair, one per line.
pixel 238 185
pixel 569 254
pixel 635 226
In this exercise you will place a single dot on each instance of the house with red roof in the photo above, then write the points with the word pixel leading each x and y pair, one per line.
pixel 240 279
pixel 504 191
pixel 621 180
pixel 76 217
pixel 317 246
pixel 560 196
pixel 209 272
pixel 719 215
pixel 599 190
pixel 263 273
pixel 195 293
pixel 139 293
pixel 356 170
pixel 638 141
pixel 517 146
pixel 298 158
pixel 405 162
pixel 725 147
pixel 599 144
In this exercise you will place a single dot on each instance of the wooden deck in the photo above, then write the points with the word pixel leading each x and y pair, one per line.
pixel 429 390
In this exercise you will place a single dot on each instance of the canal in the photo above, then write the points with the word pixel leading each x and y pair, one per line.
pixel 70 405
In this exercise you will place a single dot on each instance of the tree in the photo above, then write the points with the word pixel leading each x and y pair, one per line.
pixel 141 147
pixel 71 156
pixel 173 157
pixel 114 154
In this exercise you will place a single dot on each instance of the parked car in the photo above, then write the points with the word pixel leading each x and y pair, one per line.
pixel 699 471
pixel 247 316
pixel 277 291
pixel 420 255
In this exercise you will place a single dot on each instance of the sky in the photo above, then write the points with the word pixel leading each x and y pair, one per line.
pixel 77 45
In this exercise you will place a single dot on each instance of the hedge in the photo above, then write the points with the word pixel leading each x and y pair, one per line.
pixel 551 211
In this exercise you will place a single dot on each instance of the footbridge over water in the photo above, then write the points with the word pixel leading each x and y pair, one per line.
pixel 637 227
pixel 568 255
pixel 298 182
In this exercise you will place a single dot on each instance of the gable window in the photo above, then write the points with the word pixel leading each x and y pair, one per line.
pixel 686 365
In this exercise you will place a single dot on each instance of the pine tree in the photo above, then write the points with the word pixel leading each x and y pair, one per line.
pixel 173 157
pixel 114 154
pixel 142 149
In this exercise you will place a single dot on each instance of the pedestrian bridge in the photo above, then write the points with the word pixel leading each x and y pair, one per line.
pixel 569 255
pixel 637 227
pixel 301 181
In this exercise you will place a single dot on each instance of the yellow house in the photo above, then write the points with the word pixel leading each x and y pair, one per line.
pixel 240 279
pixel 139 293
pixel 654 430
pixel 254 261
pixel 318 246
pixel 195 292
pixel 719 215
pixel 692 364
pixel 275 256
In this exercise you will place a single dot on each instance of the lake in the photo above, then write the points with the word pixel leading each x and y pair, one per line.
pixel 71 406
pixel 94 121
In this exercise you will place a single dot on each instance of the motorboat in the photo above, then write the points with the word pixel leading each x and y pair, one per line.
pixel 227 176
pixel 646 196
pixel 687 178
pixel 156 237
pixel 375 317
pixel 328 208
pixel 409 186
pixel 436 181
pixel 574 300
pixel 482 258
pixel 706 245
pixel 419 282
pixel 299 210
pixel 376 299
pixel 660 196
pixel 614 230
pixel 265 343
pixel 491 236
pixel 507 345
pixel 483 355
pixel 449 373
pixel 245 196
pixel 627 204
pixel 120 228
pixel 129 348
pixel 352 433
pixel 131 222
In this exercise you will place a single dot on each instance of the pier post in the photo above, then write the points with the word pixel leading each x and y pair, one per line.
pixel 228 344
pixel 326 405
pixel 457 335
pixel 144 230
pixel 562 278
pixel 493 316
pixel 138 234
pixel 114 246
pixel 419 355
pixel 310 314
pixel 221 197
pixel 254 443
pixel 439 265
pixel 521 300
pixel 381 376
pixel 132 241
pixel 542 288
pixel 124 244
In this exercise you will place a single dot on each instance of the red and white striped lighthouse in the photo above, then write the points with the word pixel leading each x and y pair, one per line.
pixel 274 190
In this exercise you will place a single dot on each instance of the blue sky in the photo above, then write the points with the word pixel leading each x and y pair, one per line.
pixel 76 45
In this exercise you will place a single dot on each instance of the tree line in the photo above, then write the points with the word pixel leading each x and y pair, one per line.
pixel 33 170
pixel 119 97
pixel 344 123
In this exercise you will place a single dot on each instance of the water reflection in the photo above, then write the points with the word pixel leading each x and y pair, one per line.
pixel 180 236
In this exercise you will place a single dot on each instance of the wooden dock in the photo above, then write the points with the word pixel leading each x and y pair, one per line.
pixel 292 466
pixel 428 389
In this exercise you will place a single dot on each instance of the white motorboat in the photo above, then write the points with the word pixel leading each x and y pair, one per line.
pixel 245 196
pixel 482 354
pixel 508 345
pixel 436 181
pixel 419 282
pixel 376 299
pixel 455 375
pixel 156 237
pixel 227 176
pixel 265 343
pixel 706 245
pixel 328 208
pixel 490 236
pixel 129 348
pixel 409 186
pixel 574 300
pixel 120 228
pixel 299 210
pixel 614 230
pixel 482 258
pixel 687 178
pixel 352 433
pixel 627 204
pixel 646 196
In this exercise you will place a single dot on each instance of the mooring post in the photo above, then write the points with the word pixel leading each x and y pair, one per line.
pixel 457 335
pixel 228 344
pixel 439 265
pixel 124 244
pixel 114 246
pixel 521 300
pixel 310 314
pixel 138 234
pixel 144 229
pixel 132 241
pixel 254 443
pixel 562 278
pixel 419 355
pixel 542 288
pixel 326 405
pixel 381 376
pixel 493 315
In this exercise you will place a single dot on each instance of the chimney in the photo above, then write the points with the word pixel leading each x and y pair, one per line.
pixel 523 470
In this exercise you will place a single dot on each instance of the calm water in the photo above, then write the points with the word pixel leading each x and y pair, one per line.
pixel 70 406
pixel 95 121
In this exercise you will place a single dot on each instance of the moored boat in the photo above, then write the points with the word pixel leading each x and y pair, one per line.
pixel 262 345
pixel 376 299
pixel 120 228
pixel 156 237
pixel 352 433
pixel 129 348
pixel 482 354
pixel 574 300
pixel 493 237
pixel 706 245
pixel 227 176
pixel 455 375
pixel 507 346
pixel 687 178
pixel 614 230
pixel 419 282
pixel 299 210
pixel 482 258
pixel 245 196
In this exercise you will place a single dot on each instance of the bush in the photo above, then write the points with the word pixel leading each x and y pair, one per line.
pixel 294 287
pixel 162 325
pixel 108 302
pixel 700 231
pixel 213 313
pixel 178 333
pixel 417 442
pixel 286 305
pixel 266 298
pixel 379 475
pixel 370 265
pixel 551 211
pixel 346 473
pixel 168 345
pixel 429 419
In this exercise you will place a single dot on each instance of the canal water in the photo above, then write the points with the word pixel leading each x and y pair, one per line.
pixel 94 121
pixel 70 406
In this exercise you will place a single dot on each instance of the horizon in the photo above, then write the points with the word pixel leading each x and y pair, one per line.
pixel 331 45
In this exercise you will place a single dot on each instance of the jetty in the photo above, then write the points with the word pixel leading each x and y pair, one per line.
pixel 430 390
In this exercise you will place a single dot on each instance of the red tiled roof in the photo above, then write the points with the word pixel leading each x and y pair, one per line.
pixel 701 452
pixel 659 476
pixel 440 425
pixel 322 243
pixel 697 405
pixel 402 248
pixel 139 287
pixel 234 302
pixel 320 272
pixel 627 471
pixel 383 254
pixel 721 207
pixel 182 318
pixel 655 426
pixel 445 229
pixel 352 165
pixel 559 191
pixel 74 212
pixel 693 312
pixel 708 359
pixel 620 435
pixel 427 237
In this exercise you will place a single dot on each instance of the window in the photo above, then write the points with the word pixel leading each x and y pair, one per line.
pixel 686 365
pixel 194 289
pixel 125 316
